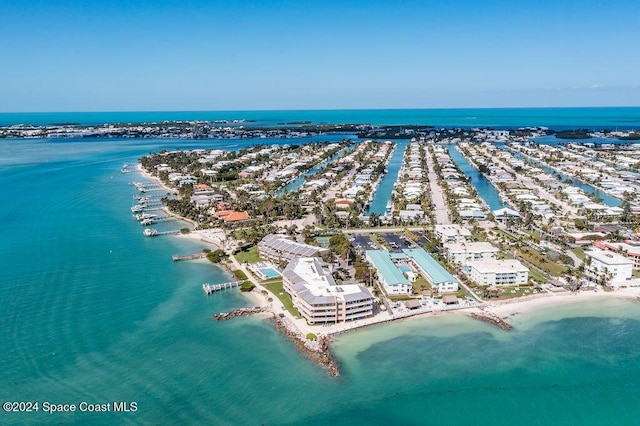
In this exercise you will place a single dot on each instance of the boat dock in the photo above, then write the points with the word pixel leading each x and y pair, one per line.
pixel 212 288
pixel 148 232
pixel 177 258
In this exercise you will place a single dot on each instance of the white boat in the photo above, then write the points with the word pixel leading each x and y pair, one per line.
pixel 137 208
pixel 145 216
pixel 147 222
pixel 150 232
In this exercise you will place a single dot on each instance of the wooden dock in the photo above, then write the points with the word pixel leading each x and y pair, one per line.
pixel 177 258
pixel 212 288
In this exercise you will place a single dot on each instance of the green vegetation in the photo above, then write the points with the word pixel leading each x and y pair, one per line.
pixel 185 230
pixel 573 134
pixel 311 336
pixel 277 289
pixel 216 256
pixel 247 286
pixel 420 284
pixel 248 255
pixel 239 274
pixel 542 262
pixel 579 253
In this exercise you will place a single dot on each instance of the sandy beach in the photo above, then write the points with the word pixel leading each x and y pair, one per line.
pixel 515 307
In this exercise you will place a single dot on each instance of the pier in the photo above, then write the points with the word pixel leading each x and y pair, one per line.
pixel 154 233
pixel 177 258
pixel 212 288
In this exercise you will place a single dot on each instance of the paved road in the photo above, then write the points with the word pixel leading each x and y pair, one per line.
pixel 437 194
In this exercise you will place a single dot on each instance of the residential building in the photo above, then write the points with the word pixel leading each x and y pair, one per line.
pixel 462 253
pixel 282 248
pixel 452 233
pixel 317 296
pixel 504 272
pixel 607 265
pixel 389 275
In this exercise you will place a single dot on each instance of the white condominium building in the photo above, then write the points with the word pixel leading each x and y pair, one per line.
pixel 452 233
pixel 611 266
pixel 462 253
pixel 317 296
pixel 497 272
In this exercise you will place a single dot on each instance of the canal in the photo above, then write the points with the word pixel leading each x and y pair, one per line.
pixel 486 191
pixel 297 183
pixel 385 188
pixel 607 199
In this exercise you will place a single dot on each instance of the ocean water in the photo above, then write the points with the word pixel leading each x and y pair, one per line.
pixel 93 311
pixel 557 118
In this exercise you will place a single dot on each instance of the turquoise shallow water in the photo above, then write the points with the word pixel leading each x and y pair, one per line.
pixel 559 118
pixel 93 311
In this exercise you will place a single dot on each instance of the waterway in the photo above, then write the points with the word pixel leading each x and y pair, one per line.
pixel 297 183
pixel 385 188
pixel 607 199
pixel 485 189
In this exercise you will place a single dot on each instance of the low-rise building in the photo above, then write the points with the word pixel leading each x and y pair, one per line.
pixel 452 233
pixel 317 296
pixel 504 272
pixel 282 248
pixel 462 253
pixel 389 275
pixel 608 266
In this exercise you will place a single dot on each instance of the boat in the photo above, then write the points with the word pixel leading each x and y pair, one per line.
pixel 148 232
pixel 145 216
pixel 137 208
pixel 147 222
pixel 387 210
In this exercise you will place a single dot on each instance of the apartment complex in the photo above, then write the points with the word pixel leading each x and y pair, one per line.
pixel 282 248
pixel 317 296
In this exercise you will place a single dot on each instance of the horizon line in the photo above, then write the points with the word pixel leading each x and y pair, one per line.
pixel 316 109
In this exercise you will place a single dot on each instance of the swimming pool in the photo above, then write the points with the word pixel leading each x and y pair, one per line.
pixel 269 272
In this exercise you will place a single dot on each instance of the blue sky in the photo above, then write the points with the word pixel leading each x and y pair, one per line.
pixel 244 55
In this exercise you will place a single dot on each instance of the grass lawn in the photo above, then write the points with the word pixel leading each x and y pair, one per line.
pixel 542 262
pixel 249 256
pixel 536 276
pixel 579 252
pixel 512 292
pixel 420 284
pixel 276 288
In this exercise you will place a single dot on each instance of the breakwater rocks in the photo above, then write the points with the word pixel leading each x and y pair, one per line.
pixel 492 318
pixel 242 312
pixel 316 350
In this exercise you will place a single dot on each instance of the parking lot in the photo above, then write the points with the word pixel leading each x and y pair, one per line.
pixel 363 243
pixel 396 242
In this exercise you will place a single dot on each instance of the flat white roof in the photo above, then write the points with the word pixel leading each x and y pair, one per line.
pixel 498 266
pixel 608 257
pixel 471 247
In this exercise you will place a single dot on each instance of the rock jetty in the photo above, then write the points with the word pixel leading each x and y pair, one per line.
pixel 242 312
pixel 317 350
pixel 492 318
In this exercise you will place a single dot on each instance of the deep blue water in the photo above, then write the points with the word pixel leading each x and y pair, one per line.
pixel 557 118
pixel 93 311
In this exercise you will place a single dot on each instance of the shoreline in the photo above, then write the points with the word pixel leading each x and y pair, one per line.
pixel 318 350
